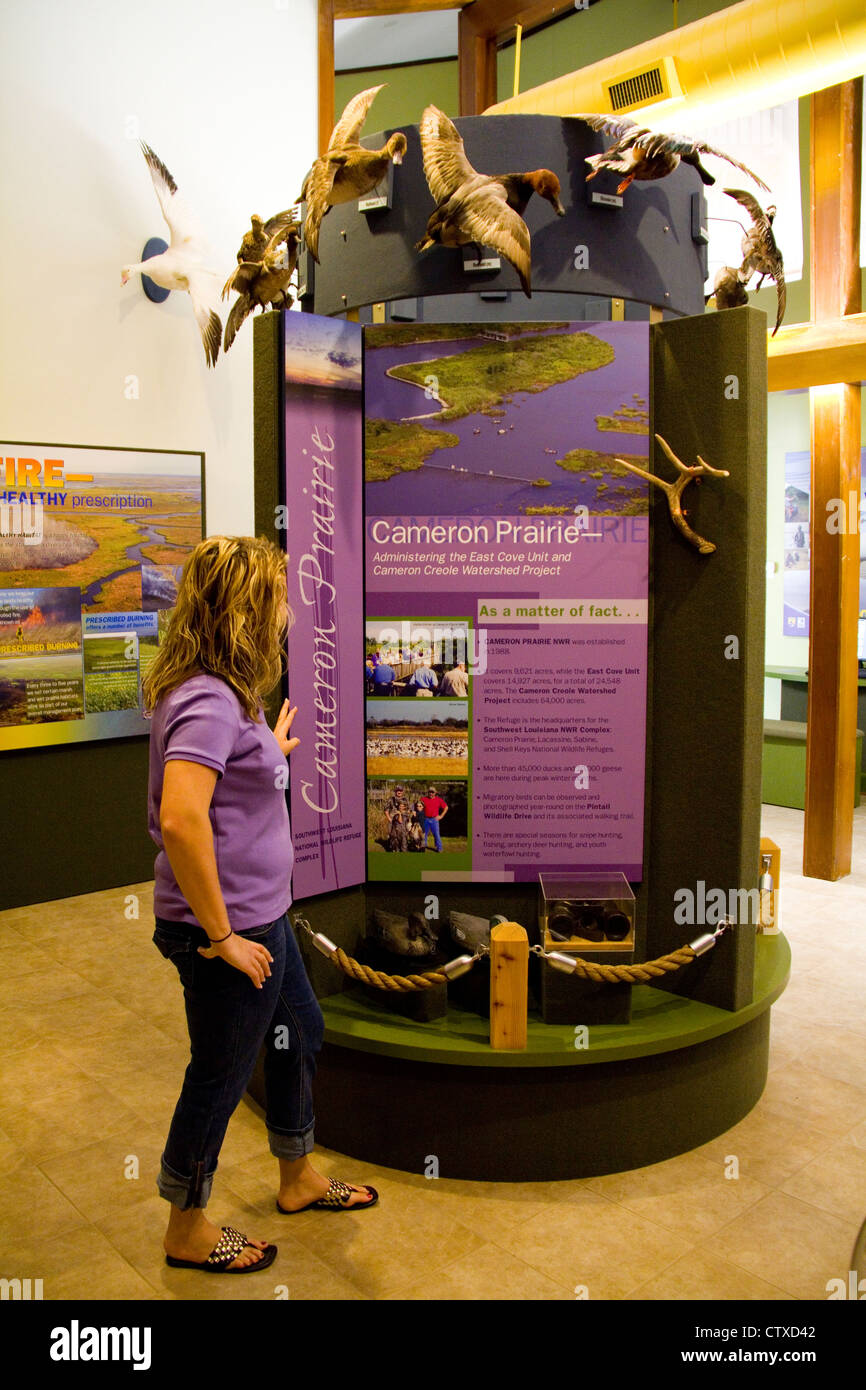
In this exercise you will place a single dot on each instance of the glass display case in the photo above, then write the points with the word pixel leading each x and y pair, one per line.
pixel 586 912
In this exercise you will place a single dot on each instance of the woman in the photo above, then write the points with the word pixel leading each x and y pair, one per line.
pixel 217 811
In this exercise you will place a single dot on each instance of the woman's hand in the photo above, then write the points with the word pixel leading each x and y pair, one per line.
pixel 251 957
pixel 282 728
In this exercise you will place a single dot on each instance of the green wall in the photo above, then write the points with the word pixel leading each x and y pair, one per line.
pixel 589 35
pixel 409 90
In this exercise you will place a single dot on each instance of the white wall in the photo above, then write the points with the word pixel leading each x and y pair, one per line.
pixel 225 92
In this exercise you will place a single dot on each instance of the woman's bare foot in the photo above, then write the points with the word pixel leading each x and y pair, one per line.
pixel 190 1236
pixel 300 1184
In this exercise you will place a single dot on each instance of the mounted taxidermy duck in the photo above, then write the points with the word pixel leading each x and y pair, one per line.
pixel 266 262
pixel 645 155
pixel 346 170
pixel 479 209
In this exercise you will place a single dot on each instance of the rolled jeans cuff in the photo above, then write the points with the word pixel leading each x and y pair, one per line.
pixel 291 1146
pixel 181 1192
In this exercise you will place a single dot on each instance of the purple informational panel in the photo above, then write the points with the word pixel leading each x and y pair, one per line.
pixel 507 583
pixel 323 493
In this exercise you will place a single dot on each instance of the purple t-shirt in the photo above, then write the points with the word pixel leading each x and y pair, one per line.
pixel 202 721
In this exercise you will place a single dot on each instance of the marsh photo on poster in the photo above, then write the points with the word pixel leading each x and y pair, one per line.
pixel 116 526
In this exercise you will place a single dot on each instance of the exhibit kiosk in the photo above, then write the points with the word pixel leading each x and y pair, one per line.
pixel 560 718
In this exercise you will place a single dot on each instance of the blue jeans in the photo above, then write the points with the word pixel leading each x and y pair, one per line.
pixel 431 827
pixel 229 1020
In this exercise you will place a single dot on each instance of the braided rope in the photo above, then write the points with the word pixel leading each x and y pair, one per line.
pixel 399 984
pixel 587 970
pixel 634 974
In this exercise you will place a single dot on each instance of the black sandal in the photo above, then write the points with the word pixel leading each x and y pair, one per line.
pixel 336 1198
pixel 230 1244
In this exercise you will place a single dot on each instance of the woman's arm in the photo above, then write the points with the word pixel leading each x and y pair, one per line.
pixel 184 822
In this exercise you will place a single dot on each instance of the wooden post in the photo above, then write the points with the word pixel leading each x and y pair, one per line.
pixel 509 977
pixel 835 546
pixel 479 26
pixel 476 62
pixel 327 118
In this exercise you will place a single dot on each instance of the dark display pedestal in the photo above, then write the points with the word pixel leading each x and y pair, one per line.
pixel 693 1059
pixel 681 1073
pixel 569 999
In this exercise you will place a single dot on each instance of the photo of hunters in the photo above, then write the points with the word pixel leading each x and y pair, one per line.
pixel 411 822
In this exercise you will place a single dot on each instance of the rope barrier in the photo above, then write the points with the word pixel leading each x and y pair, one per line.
pixel 621 974
pixel 399 984
pixel 572 965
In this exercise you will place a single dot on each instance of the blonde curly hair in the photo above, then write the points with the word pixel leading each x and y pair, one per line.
pixel 230 620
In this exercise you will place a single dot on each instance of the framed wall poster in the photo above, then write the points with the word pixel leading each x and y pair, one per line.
pixel 92 543
pixel 507 570
pixel 796 582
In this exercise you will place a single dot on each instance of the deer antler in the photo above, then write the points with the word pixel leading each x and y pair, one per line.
pixel 675 491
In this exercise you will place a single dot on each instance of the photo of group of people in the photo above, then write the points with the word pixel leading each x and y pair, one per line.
pixel 417 658
pixel 417 745
pixel 417 817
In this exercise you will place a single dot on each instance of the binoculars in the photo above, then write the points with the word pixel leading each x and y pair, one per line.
pixel 589 921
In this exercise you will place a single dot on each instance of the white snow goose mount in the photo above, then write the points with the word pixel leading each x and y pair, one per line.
pixel 183 265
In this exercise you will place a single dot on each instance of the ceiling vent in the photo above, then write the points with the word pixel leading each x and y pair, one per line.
pixel 643 87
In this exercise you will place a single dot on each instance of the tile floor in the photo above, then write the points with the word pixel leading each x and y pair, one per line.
pixel 90 1065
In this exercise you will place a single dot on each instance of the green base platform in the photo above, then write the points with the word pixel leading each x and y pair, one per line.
pixel 783 766
pixel 402 1094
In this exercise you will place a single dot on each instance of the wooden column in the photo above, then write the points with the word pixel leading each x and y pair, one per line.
pixel 326 73
pixel 835 551
pixel 509 976
pixel 476 63
pixel 484 23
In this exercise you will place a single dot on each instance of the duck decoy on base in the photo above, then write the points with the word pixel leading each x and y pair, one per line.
pixel 479 209
pixel 182 266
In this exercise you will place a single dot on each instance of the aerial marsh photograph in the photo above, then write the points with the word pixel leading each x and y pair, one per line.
pixel 99 532
pixel 513 419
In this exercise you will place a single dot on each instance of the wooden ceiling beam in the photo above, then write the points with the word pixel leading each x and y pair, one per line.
pixel 369 9
pixel 497 18
pixel 490 16
pixel 816 354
